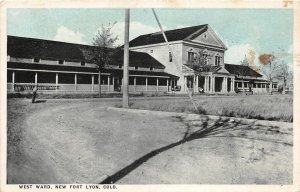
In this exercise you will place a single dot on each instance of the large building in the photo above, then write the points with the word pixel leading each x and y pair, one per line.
pixel 192 60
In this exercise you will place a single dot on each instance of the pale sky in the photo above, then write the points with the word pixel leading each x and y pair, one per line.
pixel 242 30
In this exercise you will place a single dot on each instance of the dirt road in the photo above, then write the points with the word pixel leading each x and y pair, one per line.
pixel 61 141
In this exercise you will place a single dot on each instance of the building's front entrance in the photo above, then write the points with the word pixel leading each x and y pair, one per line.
pixel 218 84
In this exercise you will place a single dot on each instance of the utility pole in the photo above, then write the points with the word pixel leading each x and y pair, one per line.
pixel 126 61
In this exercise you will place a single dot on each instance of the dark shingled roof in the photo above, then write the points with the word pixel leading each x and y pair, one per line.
pixel 241 70
pixel 136 59
pixel 22 47
pixel 28 48
pixel 172 35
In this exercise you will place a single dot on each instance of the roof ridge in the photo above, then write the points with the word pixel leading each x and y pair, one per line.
pixel 159 32
pixel 32 38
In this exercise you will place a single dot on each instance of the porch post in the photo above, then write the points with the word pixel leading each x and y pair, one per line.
pixel 108 83
pixel 225 85
pixel 92 82
pixel 75 82
pixel 35 78
pixel 197 84
pixel 146 83
pixel 204 87
pixel 232 85
pixel 156 84
pixel 184 86
pixel 212 84
pixel 134 84
pixel 167 85
pixel 56 81
pixel 13 80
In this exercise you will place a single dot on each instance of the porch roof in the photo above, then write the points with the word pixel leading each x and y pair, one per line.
pixel 241 70
pixel 80 69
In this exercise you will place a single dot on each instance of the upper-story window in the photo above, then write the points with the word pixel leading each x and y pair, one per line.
pixel 170 57
pixel 191 56
pixel 120 66
pixel 61 62
pixel 217 60
pixel 151 68
pixel 82 63
pixel 36 60
pixel 136 67
pixel 205 55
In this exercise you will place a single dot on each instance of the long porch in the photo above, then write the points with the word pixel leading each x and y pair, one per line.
pixel 225 84
pixel 209 83
pixel 54 81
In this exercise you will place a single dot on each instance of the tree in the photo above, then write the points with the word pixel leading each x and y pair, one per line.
pixel 284 74
pixel 102 50
pixel 269 67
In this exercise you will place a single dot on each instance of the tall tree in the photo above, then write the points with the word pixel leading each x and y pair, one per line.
pixel 284 74
pixel 269 68
pixel 102 50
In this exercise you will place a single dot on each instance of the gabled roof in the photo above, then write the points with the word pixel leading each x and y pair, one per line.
pixel 241 70
pixel 21 47
pixel 172 35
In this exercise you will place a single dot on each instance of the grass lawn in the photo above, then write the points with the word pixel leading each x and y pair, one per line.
pixel 264 107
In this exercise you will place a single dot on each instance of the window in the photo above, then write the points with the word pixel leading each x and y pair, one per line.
pixel 82 63
pixel 136 67
pixel 151 68
pixel 217 60
pixel 61 62
pixel 170 57
pixel 191 56
pixel 36 60
pixel 205 57
pixel 120 66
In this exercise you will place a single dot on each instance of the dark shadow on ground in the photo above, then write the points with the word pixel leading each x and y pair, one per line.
pixel 40 101
pixel 205 128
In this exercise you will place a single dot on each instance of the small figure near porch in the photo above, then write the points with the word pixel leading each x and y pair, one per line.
pixel 34 91
pixel 201 90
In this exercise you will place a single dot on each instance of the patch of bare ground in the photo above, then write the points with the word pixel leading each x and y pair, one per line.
pixel 80 141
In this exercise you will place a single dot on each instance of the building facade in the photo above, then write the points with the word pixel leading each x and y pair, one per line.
pixel 192 60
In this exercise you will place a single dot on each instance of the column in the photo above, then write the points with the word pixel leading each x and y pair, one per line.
pixel 13 81
pixel 93 82
pixel 157 84
pixel 75 82
pixel 205 82
pixel 232 85
pixel 185 85
pixel 56 81
pixel 108 83
pixel 225 85
pixel 146 83
pixel 134 84
pixel 35 78
pixel 167 85
pixel 212 82
pixel 197 84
